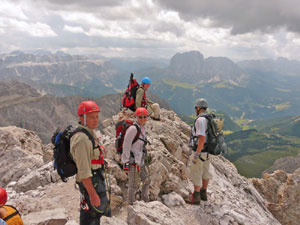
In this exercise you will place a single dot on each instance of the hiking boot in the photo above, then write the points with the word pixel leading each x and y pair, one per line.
pixel 203 194
pixel 157 119
pixel 193 199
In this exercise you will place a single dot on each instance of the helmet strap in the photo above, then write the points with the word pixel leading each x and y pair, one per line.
pixel 84 120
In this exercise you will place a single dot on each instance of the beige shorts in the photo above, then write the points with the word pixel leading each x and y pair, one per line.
pixel 200 170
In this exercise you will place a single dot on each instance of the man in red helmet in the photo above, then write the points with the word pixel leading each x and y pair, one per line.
pixel 8 213
pixel 134 155
pixel 90 166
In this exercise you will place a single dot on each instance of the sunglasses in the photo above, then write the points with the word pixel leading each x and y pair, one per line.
pixel 143 117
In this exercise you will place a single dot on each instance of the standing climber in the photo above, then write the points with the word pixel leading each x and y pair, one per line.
pixel 200 173
pixel 89 160
pixel 134 156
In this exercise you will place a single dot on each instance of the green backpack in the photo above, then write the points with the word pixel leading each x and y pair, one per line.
pixel 215 142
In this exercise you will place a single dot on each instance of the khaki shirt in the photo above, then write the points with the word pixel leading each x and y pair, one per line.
pixel 139 97
pixel 82 152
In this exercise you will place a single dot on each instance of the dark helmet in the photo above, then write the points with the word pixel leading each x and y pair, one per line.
pixel 202 103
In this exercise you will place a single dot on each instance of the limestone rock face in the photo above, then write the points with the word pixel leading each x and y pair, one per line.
pixel 20 151
pixel 282 193
pixel 40 177
pixel 288 164
pixel 48 217
pixel 111 221
pixel 142 213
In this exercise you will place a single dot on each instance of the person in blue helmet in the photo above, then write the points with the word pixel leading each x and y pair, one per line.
pixel 142 100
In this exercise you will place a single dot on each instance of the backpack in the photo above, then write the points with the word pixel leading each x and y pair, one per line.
pixel 128 99
pixel 63 160
pixel 121 128
pixel 215 142
pixel 8 217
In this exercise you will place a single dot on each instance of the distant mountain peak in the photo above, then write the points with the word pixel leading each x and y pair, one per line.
pixel 191 67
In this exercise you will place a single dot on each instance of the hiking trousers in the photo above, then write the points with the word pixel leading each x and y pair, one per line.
pixel 138 180
pixel 92 215
pixel 154 110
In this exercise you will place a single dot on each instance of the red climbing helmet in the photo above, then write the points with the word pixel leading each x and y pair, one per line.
pixel 87 107
pixel 3 196
pixel 141 111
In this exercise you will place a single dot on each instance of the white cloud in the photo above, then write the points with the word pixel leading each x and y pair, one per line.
pixel 11 10
pixel 73 29
pixel 154 27
pixel 33 29
pixel 40 30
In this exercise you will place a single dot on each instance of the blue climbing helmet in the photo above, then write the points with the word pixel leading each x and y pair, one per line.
pixel 146 80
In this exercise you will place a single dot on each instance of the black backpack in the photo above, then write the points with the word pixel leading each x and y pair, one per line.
pixel 215 142
pixel 63 160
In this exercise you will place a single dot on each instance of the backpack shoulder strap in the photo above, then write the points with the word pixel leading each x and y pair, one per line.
pixel 13 214
pixel 195 122
pixel 137 133
pixel 79 129
pixel 206 116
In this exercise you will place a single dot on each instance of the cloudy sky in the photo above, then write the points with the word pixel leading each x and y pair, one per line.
pixel 238 29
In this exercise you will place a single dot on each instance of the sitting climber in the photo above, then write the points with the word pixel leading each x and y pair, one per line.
pixel 7 212
pixel 142 100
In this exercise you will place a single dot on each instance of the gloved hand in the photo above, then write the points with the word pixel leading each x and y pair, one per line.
pixel 126 167
pixel 195 156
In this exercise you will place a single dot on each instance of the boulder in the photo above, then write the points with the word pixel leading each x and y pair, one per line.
pixel 48 217
pixel 172 199
pixel 282 193
pixel 151 213
pixel 111 221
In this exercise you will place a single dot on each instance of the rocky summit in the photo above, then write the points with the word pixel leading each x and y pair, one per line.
pixel 282 193
pixel 33 186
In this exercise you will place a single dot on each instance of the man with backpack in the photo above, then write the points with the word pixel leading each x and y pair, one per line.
pixel 142 100
pixel 200 173
pixel 8 213
pixel 90 166
pixel 134 157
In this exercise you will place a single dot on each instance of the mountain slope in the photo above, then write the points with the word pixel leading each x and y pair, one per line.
pixel 57 74
pixel 289 125
pixel 252 152
pixel 23 106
